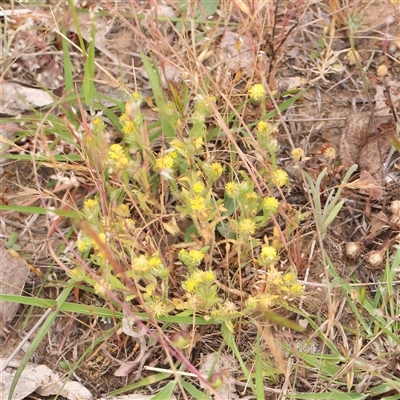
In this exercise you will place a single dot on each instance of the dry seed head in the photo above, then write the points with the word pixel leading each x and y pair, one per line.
pixel 353 249
pixel 395 207
pixel 375 259
pixel 382 70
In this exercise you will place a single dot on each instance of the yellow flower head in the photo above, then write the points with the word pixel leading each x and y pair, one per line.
pixel 166 161
pixel 198 187
pixel 190 285
pixel 271 204
pixel 264 128
pixel 124 117
pixel 91 204
pixel 297 154
pixel 281 177
pixel 140 264
pixel 247 226
pixel 128 127
pixel 158 308
pixel 196 256
pixel 251 196
pixel 209 276
pixel 155 261
pixel 251 302
pixel 257 92
pixel 197 143
pixel 296 288
pixel 117 155
pixel 231 188
pixel 217 168
pixel 197 203
pixel 267 300
pixel 269 252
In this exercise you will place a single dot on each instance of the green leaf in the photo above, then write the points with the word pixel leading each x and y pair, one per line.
pixel 194 391
pixel 209 7
pixel 12 239
pixel 166 391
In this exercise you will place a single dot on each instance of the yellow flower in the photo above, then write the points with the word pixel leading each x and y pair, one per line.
pixel 197 277
pixel 197 203
pixel 281 177
pixel 122 210
pixel 196 256
pixel 217 168
pixel 117 155
pixel 231 188
pixel 275 277
pixel 158 308
pixel 251 302
pixel 251 196
pixel 140 264
pixel 269 252
pixel 166 161
pixel 198 187
pixel 247 226
pixel 124 117
pixel 297 154
pixel 264 128
pixel 197 143
pixel 155 261
pixel 91 204
pixel 267 300
pixel 128 127
pixel 103 238
pixel 83 245
pixel 296 288
pixel 271 204
pixel 289 277
pixel 257 92
pixel 190 285
pixel 209 276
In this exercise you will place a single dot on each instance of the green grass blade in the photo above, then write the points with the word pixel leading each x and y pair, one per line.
pixel 39 337
pixel 259 372
pixel 166 391
pixel 39 210
pixel 196 393
pixel 88 82
pixel 142 383
pixel 230 341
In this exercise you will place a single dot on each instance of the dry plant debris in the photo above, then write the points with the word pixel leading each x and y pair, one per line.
pixel 185 170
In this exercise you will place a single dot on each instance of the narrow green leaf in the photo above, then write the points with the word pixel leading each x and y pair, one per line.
pixel 166 391
pixel 44 329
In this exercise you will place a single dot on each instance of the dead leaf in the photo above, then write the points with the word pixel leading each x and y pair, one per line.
pixel 367 185
pixel 13 273
pixel 15 98
pixel 354 137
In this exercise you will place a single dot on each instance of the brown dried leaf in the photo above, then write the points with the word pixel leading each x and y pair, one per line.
pixel 367 185
pixel 354 137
